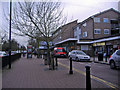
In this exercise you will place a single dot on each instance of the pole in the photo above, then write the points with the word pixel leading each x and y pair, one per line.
pixel 71 71
pixel 88 79
pixel 10 34
pixel 56 61
pixel 53 62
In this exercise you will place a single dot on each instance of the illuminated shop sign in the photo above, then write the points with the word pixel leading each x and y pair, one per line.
pixel 99 44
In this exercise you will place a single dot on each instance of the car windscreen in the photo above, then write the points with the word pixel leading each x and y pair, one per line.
pixel 0 53
pixel 80 53
pixel 118 52
pixel 60 50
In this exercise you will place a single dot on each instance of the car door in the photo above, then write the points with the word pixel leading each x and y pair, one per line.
pixel 72 55
pixel 118 55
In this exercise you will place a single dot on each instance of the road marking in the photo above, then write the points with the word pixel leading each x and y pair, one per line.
pixel 93 77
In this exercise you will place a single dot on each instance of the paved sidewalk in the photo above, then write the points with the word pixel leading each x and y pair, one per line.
pixel 95 59
pixel 32 73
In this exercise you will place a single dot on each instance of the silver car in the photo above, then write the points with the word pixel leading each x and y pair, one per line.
pixel 114 60
pixel 78 55
pixel 3 54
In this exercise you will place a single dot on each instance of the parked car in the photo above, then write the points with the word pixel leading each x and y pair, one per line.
pixel 114 60
pixel 78 55
pixel 13 52
pixel 60 52
pixel 2 54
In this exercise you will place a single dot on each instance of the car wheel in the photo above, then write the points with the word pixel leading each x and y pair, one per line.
pixel 112 65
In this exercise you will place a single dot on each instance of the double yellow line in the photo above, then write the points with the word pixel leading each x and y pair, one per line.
pixel 93 77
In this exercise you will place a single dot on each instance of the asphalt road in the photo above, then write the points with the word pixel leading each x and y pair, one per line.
pixel 100 72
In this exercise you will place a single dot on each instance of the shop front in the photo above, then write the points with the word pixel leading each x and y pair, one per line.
pixel 99 47
pixel 68 45
pixel 112 46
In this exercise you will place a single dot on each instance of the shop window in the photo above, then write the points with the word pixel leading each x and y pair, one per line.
pixel 84 47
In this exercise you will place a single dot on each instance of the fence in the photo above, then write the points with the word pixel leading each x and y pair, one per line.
pixel 5 60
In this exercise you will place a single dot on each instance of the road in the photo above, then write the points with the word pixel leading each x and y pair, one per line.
pixel 100 72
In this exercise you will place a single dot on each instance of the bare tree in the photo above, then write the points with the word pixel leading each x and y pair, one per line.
pixel 3 36
pixel 37 20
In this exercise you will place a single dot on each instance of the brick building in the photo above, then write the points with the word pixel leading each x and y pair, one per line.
pixel 98 33
pixel 64 36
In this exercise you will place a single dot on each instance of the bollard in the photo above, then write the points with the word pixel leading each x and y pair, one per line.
pixel 56 61
pixel 71 71
pixel 53 63
pixel 88 79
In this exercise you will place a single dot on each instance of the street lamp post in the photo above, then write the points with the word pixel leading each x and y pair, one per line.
pixel 10 34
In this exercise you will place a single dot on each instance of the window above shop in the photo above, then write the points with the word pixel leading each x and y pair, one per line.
pixel 105 20
pixel 97 20
pixel 79 36
pixel 106 31
pixel 84 34
pixel 97 31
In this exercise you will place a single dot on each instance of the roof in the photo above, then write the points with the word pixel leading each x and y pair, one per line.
pixel 64 26
pixel 100 40
pixel 111 9
pixel 89 42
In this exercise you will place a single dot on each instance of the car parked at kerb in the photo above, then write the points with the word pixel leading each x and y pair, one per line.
pixel 114 59
pixel 78 55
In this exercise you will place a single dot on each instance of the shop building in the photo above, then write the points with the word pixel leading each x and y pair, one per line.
pixel 98 33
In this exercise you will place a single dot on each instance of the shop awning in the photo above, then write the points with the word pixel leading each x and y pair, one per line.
pixel 66 40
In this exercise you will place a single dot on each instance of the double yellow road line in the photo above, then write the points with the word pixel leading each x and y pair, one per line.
pixel 93 77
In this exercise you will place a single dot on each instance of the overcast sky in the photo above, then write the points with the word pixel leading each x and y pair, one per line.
pixel 73 9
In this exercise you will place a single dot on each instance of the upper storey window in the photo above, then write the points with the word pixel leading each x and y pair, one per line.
pixel 97 20
pixel 105 20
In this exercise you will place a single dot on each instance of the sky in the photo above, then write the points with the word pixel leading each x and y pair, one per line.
pixel 73 9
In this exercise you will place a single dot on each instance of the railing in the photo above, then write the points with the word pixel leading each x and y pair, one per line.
pixel 5 60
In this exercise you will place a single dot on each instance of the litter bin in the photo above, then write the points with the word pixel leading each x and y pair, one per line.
pixel 100 56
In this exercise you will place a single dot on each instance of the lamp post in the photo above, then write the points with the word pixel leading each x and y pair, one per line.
pixel 10 34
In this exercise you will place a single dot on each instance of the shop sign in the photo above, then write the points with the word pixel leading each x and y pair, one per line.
pixel 99 44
